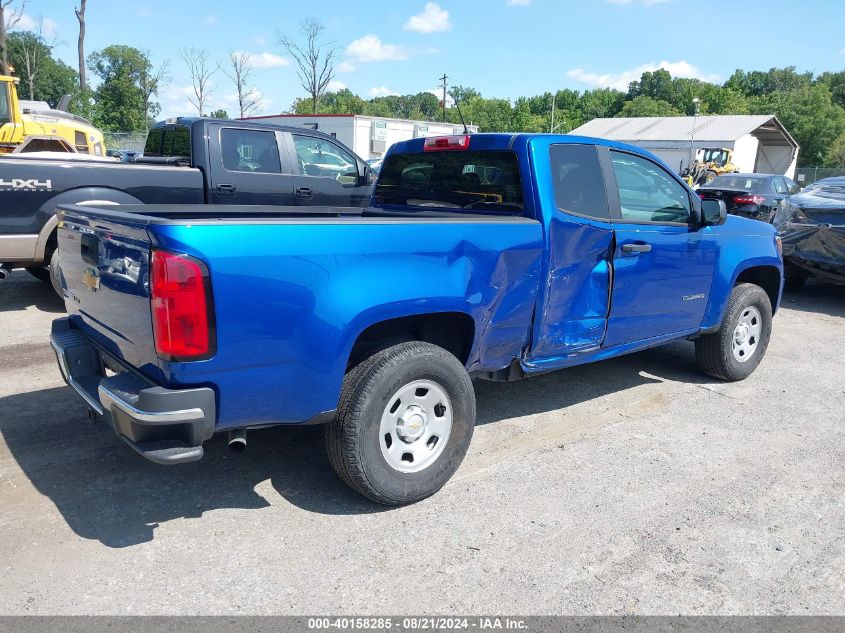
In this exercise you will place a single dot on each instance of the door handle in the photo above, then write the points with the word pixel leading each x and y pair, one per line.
pixel 304 192
pixel 636 248
pixel 226 190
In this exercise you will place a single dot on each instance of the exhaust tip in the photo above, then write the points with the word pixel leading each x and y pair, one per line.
pixel 237 440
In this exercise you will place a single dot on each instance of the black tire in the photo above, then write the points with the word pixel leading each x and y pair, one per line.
pixel 794 277
pixel 55 273
pixel 41 273
pixel 709 176
pixel 714 352
pixel 353 439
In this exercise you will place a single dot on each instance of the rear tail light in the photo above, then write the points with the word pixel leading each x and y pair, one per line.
pixel 749 199
pixel 443 143
pixel 180 296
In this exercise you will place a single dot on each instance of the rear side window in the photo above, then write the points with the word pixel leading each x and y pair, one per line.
pixel 250 151
pixel 578 182
pixel 153 144
pixel 173 140
pixel 482 180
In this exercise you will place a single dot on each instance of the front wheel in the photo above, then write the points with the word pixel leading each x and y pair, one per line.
pixel 405 420
pixel 734 351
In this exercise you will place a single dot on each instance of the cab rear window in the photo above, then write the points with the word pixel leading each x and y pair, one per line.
pixel 173 140
pixel 481 180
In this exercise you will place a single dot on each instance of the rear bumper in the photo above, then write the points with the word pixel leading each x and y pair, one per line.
pixel 166 426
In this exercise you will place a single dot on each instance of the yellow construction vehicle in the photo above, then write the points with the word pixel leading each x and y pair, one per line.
pixel 32 126
pixel 709 163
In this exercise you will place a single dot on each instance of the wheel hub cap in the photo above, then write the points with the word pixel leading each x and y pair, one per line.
pixel 415 426
pixel 411 425
pixel 747 334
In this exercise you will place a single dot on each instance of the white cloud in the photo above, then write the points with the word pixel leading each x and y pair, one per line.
pixel 346 66
pixel 438 92
pixel 266 60
pixel 260 41
pixel 518 3
pixel 621 80
pixel 334 86
pixel 371 49
pixel 211 20
pixel 28 23
pixel 842 51
pixel 381 91
pixel 431 20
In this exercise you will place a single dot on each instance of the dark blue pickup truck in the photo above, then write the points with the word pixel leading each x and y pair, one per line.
pixel 491 256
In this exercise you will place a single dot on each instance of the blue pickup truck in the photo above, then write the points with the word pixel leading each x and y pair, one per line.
pixel 491 256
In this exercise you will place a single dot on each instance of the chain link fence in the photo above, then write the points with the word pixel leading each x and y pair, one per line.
pixel 808 175
pixel 133 141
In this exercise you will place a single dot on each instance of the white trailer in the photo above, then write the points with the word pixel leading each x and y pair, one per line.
pixel 367 136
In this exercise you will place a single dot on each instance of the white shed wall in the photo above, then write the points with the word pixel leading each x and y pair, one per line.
pixel 745 154
pixel 776 159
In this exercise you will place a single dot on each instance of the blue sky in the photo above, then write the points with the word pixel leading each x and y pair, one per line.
pixel 503 48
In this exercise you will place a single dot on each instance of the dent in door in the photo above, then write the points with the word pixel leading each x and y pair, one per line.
pixel 577 289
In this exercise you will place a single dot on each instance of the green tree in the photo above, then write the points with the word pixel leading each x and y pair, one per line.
pixel 648 106
pixel 810 116
pixel 219 114
pixel 836 152
pixel 120 99
pixel 43 78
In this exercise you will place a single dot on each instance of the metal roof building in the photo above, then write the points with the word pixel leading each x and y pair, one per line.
pixel 760 142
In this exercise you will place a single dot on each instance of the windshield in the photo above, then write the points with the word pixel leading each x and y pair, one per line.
pixel 738 182
pixel 451 180
pixel 718 156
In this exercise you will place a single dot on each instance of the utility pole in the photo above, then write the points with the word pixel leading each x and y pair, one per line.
pixel 695 102
pixel 444 78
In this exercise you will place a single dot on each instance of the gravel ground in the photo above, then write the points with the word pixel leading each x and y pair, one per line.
pixel 633 486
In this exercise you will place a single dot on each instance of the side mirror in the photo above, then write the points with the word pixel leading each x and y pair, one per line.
pixel 368 177
pixel 713 212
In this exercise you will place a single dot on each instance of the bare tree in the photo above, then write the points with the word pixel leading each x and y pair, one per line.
pixel 34 50
pixel 201 69
pixel 151 81
pixel 9 17
pixel 80 44
pixel 315 58
pixel 239 71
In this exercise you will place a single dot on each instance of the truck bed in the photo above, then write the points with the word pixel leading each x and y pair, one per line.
pixel 293 288
pixel 164 214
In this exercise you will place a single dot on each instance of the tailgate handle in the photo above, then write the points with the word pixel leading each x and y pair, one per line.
pixel 90 248
pixel 226 190
pixel 304 192
pixel 636 248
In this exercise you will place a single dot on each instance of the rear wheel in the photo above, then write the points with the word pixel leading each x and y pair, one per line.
pixel 41 273
pixel 709 176
pixel 734 351
pixel 405 420
pixel 56 273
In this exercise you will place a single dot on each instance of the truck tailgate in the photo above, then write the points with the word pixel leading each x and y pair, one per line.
pixel 104 264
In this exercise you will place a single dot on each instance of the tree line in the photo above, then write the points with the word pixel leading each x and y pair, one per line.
pixel 128 86
pixel 811 107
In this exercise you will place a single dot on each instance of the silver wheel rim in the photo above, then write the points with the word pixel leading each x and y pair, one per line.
pixel 746 336
pixel 415 426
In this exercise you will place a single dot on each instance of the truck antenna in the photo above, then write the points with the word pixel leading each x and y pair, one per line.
pixel 458 106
